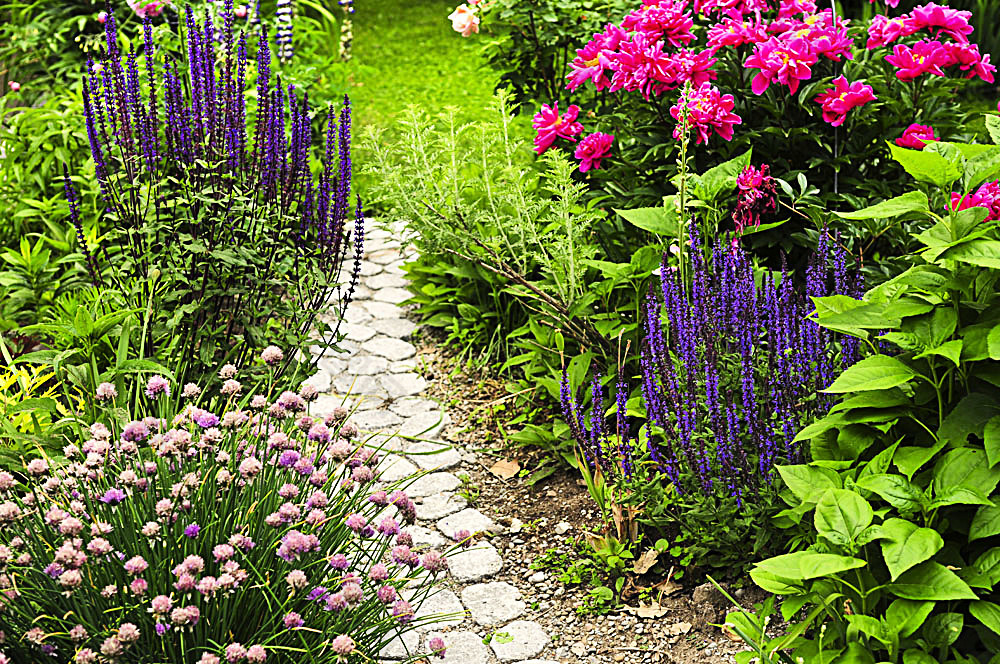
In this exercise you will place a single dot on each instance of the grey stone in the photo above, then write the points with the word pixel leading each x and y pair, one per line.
pixel 402 647
pixel 403 367
pixel 395 267
pixel 493 603
pixel 357 332
pixel 332 365
pixel 410 406
pixel 392 295
pixel 428 485
pixel 387 441
pixel 383 310
pixel 378 232
pixel 524 638
pixel 373 420
pixel 387 347
pixel 443 607
pixel 440 505
pixel 475 563
pixel 430 455
pixel 394 468
pixel 320 380
pixel 394 327
pixel 468 519
pixel 425 536
pixel 539 661
pixel 386 281
pixel 461 648
pixel 362 293
pixel 425 425
pixel 367 365
pixel 384 256
pixel 381 244
pixel 367 402
pixel 324 405
pixel 347 384
pixel 403 384
pixel 369 269
pixel 357 314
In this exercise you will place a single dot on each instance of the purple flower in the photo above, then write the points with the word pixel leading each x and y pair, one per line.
pixel 157 385
pixel 113 496
pixel 192 530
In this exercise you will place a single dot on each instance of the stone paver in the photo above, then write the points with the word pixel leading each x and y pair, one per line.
pixel 518 640
pixel 493 603
pixel 376 374
pixel 477 562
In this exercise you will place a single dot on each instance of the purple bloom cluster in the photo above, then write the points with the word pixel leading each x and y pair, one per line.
pixel 731 369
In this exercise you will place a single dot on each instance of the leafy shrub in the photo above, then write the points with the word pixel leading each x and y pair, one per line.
pixel 895 514
pixel 630 81
pixel 218 205
pixel 208 523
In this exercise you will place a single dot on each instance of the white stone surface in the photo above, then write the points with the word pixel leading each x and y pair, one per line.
pixel 518 640
pixel 493 603
pixel 477 562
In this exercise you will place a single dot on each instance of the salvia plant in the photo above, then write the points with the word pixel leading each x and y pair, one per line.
pixel 731 368
pixel 216 197
pixel 193 525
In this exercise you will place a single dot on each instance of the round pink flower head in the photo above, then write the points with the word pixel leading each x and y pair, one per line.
pixel 208 658
pixel 190 391
pixel 464 20
pixel 235 652
pixel 227 371
pixel 156 386
pixel 106 392
pixel 240 11
pixel 14 86
pixel 592 149
pixel 256 654
pixel 147 8
pixel 839 100
pixel 272 355
pixel 916 137
pixel 102 17
pixel 343 645
pixel 231 387
pixel 437 646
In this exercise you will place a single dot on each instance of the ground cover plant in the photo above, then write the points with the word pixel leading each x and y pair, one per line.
pixel 202 525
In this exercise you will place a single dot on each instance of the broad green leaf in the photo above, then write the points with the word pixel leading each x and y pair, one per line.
pixel 715 180
pixel 959 495
pixel 985 523
pixel 930 581
pixel 942 629
pixel 993 127
pixel 988 564
pixel 831 421
pixel 914 656
pixel 909 202
pixel 803 565
pixel 906 545
pixel 855 654
pixel 842 515
pixel 911 459
pixel 993 343
pixel 926 165
pixel 878 372
pixel 952 350
pixel 965 467
pixel 896 490
pixel 905 616
pixel 658 220
pixel 981 252
pixel 808 482
pixel 991 434
pixel 877 399
pixel 987 613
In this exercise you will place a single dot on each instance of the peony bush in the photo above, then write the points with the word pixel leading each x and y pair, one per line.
pixel 224 525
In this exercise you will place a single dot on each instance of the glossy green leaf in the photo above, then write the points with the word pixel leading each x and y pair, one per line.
pixel 926 165
pixel 993 127
pixel 894 207
pixel 721 178
pixel 987 613
pixel 980 252
pixel 910 459
pixel 905 616
pixel 906 545
pixel 658 220
pixel 803 565
pixel 985 523
pixel 943 629
pixel 896 490
pixel 842 515
pixel 991 434
pixel 878 372
pixel 965 467
pixel 808 482
pixel 930 581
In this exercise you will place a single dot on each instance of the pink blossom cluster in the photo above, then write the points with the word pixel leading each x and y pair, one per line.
pixel 757 194
pixel 158 526
pixel 705 110
pixel 987 196
pixel 842 98
pixel 550 126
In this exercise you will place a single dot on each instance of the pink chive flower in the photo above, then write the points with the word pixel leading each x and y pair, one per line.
pixel 707 109
pixel 843 97
pixel 925 57
pixel 272 355
pixel 664 20
pixel 916 136
pixel 549 126
pixel 987 196
pixel 436 644
pixel 593 61
pixel 157 385
pixel 106 392
pixel 785 62
pixel 342 645
pixel 940 19
pixel 592 149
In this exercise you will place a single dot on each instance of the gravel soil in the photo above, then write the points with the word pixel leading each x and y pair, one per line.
pixel 544 527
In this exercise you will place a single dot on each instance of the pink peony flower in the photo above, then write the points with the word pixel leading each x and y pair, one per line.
pixel 735 33
pixel 147 8
pixel 464 20
pixel 592 149
pixel 987 196
pixel 663 20
pixel 842 98
pixel 940 19
pixel 758 193
pixel 916 136
pixel 968 59
pixel 883 30
pixel 707 109
pixel 785 62
pixel 925 57
pixel 595 59
pixel 549 126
